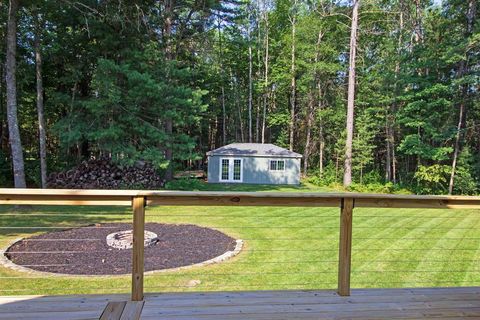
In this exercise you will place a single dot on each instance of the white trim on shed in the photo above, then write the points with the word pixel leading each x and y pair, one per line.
pixel 231 170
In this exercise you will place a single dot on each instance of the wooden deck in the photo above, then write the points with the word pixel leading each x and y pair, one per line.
pixel 419 303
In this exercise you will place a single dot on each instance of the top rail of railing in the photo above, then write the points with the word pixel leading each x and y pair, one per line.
pixel 207 198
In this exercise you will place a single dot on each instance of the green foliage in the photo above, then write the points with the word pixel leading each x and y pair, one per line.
pixel 465 183
pixel 373 176
pixel 130 103
pixel 379 187
pixel 432 179
pixel 5 170
pixel 372 183
pixel 185 184
pixel 116 79
pixel 329 176
pixel 426 113
pixel 363 146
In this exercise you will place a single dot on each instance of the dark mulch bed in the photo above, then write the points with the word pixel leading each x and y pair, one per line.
pixel 179 245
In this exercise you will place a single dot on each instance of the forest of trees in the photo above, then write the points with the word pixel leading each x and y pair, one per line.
pixel 378 95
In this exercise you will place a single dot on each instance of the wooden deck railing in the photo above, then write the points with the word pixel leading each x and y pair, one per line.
pixel 138 200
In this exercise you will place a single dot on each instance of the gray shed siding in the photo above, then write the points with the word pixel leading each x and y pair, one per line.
pixel 256 170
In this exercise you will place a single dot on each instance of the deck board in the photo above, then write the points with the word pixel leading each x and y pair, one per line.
pixel 418 303
pixel 113 311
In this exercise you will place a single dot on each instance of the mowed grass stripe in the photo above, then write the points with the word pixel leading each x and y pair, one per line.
pixel 464 256
pixel 432 250
pixel 362 259
pixel 439 244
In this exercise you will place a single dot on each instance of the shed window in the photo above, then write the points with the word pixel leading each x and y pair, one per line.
pixel 277 165
pixel 237 169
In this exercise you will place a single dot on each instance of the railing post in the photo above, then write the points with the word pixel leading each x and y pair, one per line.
pixel 345 246
pixel 138 204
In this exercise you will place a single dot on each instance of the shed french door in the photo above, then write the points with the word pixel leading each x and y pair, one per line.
pixel 231 170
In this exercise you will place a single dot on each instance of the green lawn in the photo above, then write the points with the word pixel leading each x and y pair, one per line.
pixel 286 248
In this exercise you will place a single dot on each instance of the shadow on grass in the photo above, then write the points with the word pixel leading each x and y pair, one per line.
pixel 29 220
pixel 197 185
pixel 249 187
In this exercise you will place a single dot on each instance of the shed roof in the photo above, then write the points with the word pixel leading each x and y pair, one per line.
pixel 253 150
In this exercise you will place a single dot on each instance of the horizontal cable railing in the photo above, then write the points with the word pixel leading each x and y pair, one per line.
pixel 282 249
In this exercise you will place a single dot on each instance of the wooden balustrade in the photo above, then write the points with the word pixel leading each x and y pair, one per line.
pixel 345 246
pixel 138 204
pixel 140 199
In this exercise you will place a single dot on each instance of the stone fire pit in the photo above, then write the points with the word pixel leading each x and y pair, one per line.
pixel 124 239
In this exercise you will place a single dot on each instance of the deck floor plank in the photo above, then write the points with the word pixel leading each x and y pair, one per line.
pixel 113 311
pixel 418 303
pixel 133 310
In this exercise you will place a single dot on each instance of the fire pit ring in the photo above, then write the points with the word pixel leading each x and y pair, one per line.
pixel 124 239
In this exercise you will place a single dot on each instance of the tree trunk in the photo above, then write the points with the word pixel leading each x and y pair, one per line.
pixel 224 120
pixel 210 136
pixel 239 108
pixel 394 161
pixel 310 114
pixel 321 137
pixel 418 32
pixel 321 148
pixel 266 60
pixel 10 79
pixel 312 106
pixel 257 119
pixel 242 135
pixel 293 85
pixel 3 120
pixel 347 177
pixel 391 158
pixel 319 103
pixel 457 147
pixel 392 168
pixel 258 76
pixel 222 75
pixel 250 81
pixel 388 156
pixel 42 137
pixel 265 102
pixel 215 134
pixel 463 69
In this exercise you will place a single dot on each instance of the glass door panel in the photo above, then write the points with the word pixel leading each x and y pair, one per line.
pixel 225 173
pixel 237 170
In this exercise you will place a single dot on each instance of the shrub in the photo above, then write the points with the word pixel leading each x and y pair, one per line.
pixel 373 177
pixel 432 179
pixel 465 182
pixel 5 170
pixel 329 177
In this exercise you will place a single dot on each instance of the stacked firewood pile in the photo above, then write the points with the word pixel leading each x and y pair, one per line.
pixel 103 174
